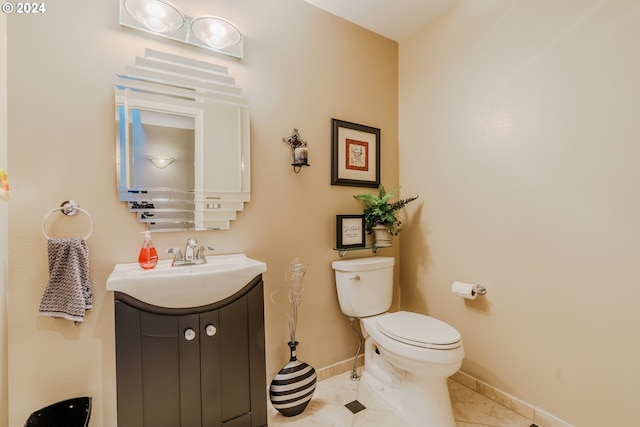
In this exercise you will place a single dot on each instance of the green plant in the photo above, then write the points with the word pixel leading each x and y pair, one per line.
pixel 379 211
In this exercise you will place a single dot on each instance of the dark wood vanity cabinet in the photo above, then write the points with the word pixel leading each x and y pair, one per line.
pixel 191 367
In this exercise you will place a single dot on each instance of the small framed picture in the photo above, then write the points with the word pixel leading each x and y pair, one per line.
pixel 355 154
pixel 350 231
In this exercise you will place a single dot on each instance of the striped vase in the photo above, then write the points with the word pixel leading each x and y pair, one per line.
pixel 292 388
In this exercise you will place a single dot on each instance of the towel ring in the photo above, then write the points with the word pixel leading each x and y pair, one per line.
pixel 69 208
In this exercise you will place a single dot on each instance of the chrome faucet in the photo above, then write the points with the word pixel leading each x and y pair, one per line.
pixel 190 250
pixel 193 254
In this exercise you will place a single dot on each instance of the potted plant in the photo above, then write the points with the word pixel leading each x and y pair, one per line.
pixel 380 215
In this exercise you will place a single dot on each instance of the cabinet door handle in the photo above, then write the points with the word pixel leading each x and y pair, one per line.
pixel 210 330
pixel 189 334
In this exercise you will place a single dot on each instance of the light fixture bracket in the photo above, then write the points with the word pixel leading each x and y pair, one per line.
pixel 186 33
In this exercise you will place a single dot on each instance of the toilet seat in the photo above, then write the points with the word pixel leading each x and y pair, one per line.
pixel 419 330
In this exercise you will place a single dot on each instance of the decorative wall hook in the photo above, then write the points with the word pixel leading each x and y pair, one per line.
pixel 299 149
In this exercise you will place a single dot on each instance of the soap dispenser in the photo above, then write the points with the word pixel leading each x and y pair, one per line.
pixel 148 257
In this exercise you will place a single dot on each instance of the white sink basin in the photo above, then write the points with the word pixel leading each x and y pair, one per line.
pixel 186 286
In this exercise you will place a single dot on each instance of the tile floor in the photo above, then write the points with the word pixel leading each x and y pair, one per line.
pixel 327 409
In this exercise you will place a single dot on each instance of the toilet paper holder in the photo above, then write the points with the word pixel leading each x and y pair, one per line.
pixel 479 289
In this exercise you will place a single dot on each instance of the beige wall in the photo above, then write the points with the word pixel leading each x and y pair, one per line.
pixel 302 68
pixel 4 226
pixel 519 129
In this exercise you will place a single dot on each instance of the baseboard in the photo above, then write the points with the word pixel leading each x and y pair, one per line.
pixel 339 368
pixel 540 417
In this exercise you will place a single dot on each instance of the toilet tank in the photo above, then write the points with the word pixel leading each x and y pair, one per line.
pixel 365 285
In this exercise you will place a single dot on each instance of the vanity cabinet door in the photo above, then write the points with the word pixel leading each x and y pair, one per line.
pixel 226 387
pixel 192 369
pixel 188 369
pixel 210 368
pixel 158 369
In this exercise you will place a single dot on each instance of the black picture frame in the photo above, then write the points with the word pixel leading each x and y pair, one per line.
pixel 355 154
pixel 350 231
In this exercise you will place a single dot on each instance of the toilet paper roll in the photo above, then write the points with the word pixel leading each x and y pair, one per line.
pixel 464 290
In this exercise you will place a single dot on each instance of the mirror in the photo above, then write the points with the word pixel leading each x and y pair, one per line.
pixel 182 143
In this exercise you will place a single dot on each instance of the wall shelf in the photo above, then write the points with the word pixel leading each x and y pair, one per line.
pixel 343 251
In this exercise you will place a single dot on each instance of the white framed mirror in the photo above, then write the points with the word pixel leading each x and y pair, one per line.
pixel 182 143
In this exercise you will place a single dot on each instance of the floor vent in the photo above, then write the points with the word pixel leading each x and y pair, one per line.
pixel 355 406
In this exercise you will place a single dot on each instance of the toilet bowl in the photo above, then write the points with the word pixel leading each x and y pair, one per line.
pixel 408 356
pixel 412 378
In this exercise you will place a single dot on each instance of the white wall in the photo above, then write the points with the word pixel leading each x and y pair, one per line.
pixel 519 130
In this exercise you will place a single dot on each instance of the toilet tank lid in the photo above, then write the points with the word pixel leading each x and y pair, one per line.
pixel 363 264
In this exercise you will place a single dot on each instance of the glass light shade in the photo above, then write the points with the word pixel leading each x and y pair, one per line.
pixel 158 16
pixel 161 162
pixel 215 32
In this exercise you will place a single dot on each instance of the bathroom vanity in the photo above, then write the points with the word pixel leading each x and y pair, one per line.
pixel 202 365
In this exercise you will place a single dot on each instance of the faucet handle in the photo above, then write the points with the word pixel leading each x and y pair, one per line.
pixel 177 257
pixel 200 253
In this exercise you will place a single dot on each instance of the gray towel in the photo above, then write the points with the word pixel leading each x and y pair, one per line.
pixel 68 293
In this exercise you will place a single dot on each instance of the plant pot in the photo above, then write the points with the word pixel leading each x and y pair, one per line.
pixel 382 237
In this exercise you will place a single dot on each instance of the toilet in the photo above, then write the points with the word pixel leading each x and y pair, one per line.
pixel 408 356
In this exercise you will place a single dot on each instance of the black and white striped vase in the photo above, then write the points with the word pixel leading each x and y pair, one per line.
pixel 292 388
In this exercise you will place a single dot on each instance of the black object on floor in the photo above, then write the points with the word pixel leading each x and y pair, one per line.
pixel 355 406
pixel 68 413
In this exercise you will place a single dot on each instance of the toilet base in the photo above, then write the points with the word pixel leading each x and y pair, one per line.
pixel 422 402
pixel 420 408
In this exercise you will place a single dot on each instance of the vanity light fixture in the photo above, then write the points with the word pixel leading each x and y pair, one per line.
pixel 217 33
pixel 157 16
pixel 161 162
pixel 300 151
pixel 165 19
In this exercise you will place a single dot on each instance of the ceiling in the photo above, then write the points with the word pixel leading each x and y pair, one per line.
pixel 394 19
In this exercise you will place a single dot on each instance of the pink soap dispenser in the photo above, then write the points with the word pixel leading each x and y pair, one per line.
pixel 148 257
